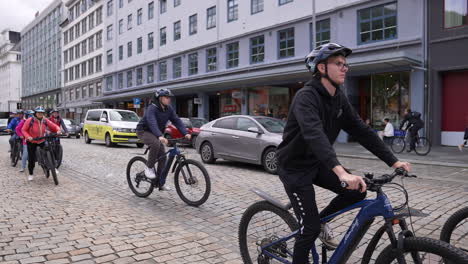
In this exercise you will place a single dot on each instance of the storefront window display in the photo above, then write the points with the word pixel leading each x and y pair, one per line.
pixel 269 101
pixel 230 102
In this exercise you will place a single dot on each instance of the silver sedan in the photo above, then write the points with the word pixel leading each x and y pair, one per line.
pixel 250 139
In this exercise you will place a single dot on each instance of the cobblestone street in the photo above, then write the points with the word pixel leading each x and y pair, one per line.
pixel 93 217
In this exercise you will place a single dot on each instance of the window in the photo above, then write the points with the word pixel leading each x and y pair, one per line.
pixel 150 41
pixel 65 37
pixel 455 13
pixel 129 79
pixel 377 23
pixel 121 52
pixel 256 6
pixel 84 47
pixel 110 6
pixel 84 71
pixel 162 6
pixel 129 49
pixel 77 51
pixel 323 33
pixel 211 17
pixel 282 2
pixel 98 88
pixel 109 83
pixel 226 123
pixel 150 73
pixel 109 56
pixel 65 76
pixel 177 30
pixel 244 124
pixel 77 30
pixel 163 71
pixel 91 90
pixel 257 49
pixel 71 33
pixel 77 72
pixel 193 63
pixel 139 16
pixel 91 21
pixel 91 44
pixel 91 66
pixel 99 40
pixel 120 26
pixel 120 81
pixel 176 3
pixel 121 3
pixel 139 45
pixel 211 59
pixel 84 27
pixel 233 10
pixel 150 10
pixel 70 71
pixel 77 93
pixel 286 43
pixel 109 32
pixel 193 24
pixel 139 76
pixel 177 67
pixel 83 91
pixel 99 63
pixel 72 53
pixel 162 36
pixel 232 55
pixel 99 16
pixel 129 22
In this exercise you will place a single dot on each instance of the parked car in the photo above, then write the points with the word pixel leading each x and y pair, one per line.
pixel 72 127
pixel 3 126
pixel 112 126
pixel 251 139
pixel 193 126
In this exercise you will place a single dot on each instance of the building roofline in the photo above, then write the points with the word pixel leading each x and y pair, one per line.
pixel 41 16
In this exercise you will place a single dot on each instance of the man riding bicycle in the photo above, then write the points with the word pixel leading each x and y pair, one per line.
pixel 58 121
pixel 151 126
pixel 413 123
pixel 306 157
pixel 36 127
pixel 18 116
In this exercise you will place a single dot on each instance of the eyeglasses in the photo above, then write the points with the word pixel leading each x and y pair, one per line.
pixel 341 65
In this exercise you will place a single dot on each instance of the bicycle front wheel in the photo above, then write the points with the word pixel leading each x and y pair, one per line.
pixel 261 224
pixel 398 144
pixel 51 166
pixel 455 230
pixel 15 154
pixel 58 155
pixel 137 181
pixel 423 146
pixel 192 182
pixel 423 250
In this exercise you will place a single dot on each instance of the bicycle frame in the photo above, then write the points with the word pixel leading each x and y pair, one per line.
pixel 370 208
pixel 170 154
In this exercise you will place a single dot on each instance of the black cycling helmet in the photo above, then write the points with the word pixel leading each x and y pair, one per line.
pixel 323 52
pixel 54 110
pixel 39 109
pixel 162 92
pixel 20 112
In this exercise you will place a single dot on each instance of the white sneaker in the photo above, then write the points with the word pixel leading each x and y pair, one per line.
pixel 30 178
pixel 56 171
pixel 165 188
pixel 21 170
pixel 326 235
pixel 149 173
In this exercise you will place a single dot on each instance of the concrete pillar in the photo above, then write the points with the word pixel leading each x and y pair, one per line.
pixel 417 94
pixel 245 101
pixel 204 107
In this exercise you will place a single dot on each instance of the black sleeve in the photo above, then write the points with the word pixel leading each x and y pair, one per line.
pixel 365 135
pixel 152 122
pixel 306 112
pixel 177 122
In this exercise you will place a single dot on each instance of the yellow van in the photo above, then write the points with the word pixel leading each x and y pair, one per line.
pixel 111 126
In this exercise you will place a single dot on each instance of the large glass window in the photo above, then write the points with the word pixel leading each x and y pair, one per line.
pixel 193 24
pixel 455 13
pixel 109 32
pixel 323 33
pixel 377 23
pixel 139 76
pixel 211 60
pixel 129 78
pixel 139 16
pixel 177 30
pixel 256 6
pixel 232 55
pixel 257 49
pixel 269 101
pixel 193 63
pixel 230 102
pixel 150 10
pixel 233 10
pixel 163 71
pixel 150 73
pixel 129 49
pixel 121 80
pixel 139 45
pixel 150 41
pixel 211 17
pixel 286 43
pixel 162 36
pixel 162 6
pixel 177 67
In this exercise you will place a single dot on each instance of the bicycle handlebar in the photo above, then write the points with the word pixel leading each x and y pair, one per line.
pixel 52 135
pixel 373 184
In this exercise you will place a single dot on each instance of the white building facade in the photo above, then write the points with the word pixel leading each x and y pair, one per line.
pixel 82 32
pixel 10 71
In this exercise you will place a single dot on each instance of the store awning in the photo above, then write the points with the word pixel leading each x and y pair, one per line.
pixel 385 61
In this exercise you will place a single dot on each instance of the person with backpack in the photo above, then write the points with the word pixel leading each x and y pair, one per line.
pixel 413 123
pixel 24 156
pixel 18 116
pixel 57 120
pixel 34 127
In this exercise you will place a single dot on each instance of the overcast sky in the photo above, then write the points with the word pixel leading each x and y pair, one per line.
pixel 16 14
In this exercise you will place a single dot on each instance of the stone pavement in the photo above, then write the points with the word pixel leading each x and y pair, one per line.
pixel 92 216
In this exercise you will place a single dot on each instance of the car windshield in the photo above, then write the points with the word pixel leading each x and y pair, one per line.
pixel 68 122
pixel 186 122
pixel 124 116
pixel 3 122
pixel 198 122
pixel 271 124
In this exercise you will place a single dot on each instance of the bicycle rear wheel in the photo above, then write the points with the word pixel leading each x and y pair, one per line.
pixel 261 224
pixel 423 146
pixel 136 179
pixel 455 230
pixel 427 250
pixel 51 166
pixel 398 144
pixel 192 182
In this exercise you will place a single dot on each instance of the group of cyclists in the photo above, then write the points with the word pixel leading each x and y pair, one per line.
pixel 29 125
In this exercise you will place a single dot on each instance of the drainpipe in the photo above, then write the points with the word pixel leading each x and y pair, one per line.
pixel 314 34
pixel 427 106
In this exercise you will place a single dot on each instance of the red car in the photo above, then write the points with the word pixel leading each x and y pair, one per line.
pixel 192 124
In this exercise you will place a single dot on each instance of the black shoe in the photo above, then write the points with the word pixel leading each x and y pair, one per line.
pixel 409 150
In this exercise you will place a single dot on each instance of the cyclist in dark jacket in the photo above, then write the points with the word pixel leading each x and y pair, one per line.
pixel 413 123
pixel 150 130
pixel 306 156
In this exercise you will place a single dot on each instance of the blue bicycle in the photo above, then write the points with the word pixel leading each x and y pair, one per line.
pixel 267 232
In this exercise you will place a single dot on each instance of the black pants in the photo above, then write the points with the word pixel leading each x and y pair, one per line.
pixel 32 153
pixel 465 137
pixel 157 150
pixel 305 207
pixel 413 135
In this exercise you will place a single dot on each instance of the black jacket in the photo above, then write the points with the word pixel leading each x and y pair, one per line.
pixel 314 121
pixel 414 118
pixel 155 119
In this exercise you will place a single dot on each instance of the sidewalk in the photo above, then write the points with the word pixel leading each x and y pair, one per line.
pixel 439 155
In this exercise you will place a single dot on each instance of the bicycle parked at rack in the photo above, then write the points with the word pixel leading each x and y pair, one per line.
pixel 45 156
pixel 191 179
pixel 275 244
pixel 400 143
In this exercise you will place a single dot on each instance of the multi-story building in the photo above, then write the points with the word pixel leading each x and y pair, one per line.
pixel 10 71
pixel 41 59
pixel 247 57
pixel 82 56
pixel 448 70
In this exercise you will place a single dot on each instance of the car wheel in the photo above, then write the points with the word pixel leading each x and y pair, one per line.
pixel 192 142
pixel 109 141
pixel 140 145
pixel 87 139
pixel 207 153
pixel 269 161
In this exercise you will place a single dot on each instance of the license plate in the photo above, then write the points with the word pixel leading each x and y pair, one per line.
pixel 133 140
